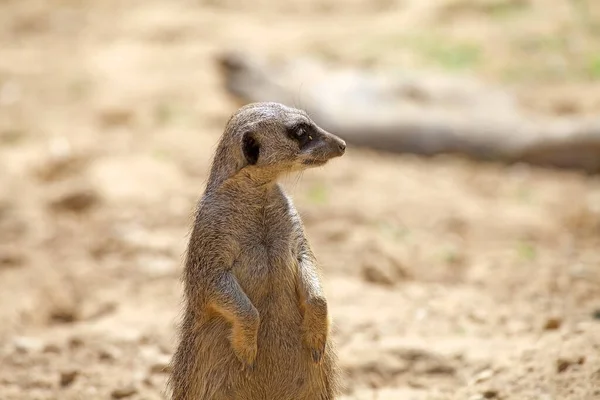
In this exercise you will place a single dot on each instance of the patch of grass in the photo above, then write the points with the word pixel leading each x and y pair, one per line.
pixel 524 194
pixel 447 54
pixel 318 194
pixel 392 230
pixel 593 67
pixel 163 113
pixel 551 58
pixel 452 256
pixel 11 136
pixel 527 251
pixel 499 9
pixel 496 9
pixel 585 16
pixel 507 8
pixel 450 54
pixel 515 74
pixel 161 154
pixel 539 73
pixel 79 89
pixel 460 330
pixel 582 69
pixel 549 43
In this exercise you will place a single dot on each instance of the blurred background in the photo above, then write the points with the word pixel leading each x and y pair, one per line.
pixel 447 278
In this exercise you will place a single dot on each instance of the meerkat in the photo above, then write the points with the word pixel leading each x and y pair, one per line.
pixel 256 324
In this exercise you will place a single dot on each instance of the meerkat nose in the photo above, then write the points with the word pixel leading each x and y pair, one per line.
pixel 341 146
pixel 336 146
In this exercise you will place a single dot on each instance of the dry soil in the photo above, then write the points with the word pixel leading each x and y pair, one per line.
pixel 447 279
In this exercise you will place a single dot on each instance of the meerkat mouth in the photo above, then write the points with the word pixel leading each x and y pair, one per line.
pixel 314 162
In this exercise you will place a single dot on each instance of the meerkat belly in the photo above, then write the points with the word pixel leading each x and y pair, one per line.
pixel 268 281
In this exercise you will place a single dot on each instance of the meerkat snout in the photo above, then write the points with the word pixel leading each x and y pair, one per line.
pixel 319 145
pixel 336 147
pixel 340 146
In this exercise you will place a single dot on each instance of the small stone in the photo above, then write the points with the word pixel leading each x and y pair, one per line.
pixel 416 384
pixel 40 382
pixel 157 266
pixel 476 397
pixel 60 163
pixel 115 116
pixel 145 339
pixel 109 353
pixel 159 362
pixel 67 377
pixel 60 148
pixel 490 394
pixel 148 381
pixel 382 265
pixel 165 347
pixel 64 315
pixel 27 345
pixel 139 376
pixel 483 375
pixel 11 259
pixel 421 314
pixel 552 324
pixel 52 348
pixel 75 342
pixel 385 273
pixel 596 314
pixel 371 273
pixel 78 200
pixel 123 392
pixel 95 311
pixel 130 336
pixel 162 364
pixel 562 365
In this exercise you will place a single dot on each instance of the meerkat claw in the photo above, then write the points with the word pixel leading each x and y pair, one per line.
pixel 317 355
pixel 248 367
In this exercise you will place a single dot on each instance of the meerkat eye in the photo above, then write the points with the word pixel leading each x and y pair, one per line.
pixel 301 133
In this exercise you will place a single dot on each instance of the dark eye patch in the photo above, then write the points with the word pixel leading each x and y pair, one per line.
pixel 302 133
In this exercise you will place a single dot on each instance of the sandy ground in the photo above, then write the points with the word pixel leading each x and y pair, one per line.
pixel 447 279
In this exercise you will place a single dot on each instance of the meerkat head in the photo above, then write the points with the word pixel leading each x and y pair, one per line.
pixel 270 139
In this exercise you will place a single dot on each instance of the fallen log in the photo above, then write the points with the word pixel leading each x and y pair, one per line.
pixel 418 114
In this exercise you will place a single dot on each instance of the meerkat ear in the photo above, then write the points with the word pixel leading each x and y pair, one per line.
pixel 251 148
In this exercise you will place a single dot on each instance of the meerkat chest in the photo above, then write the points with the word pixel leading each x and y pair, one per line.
pixel 267 251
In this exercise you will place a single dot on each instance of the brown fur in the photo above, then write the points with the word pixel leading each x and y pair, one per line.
pixel 255 322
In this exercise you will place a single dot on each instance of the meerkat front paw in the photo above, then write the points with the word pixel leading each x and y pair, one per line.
pixel 316 343
pixel 244 341
pixel 316 327
pixel 245 349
